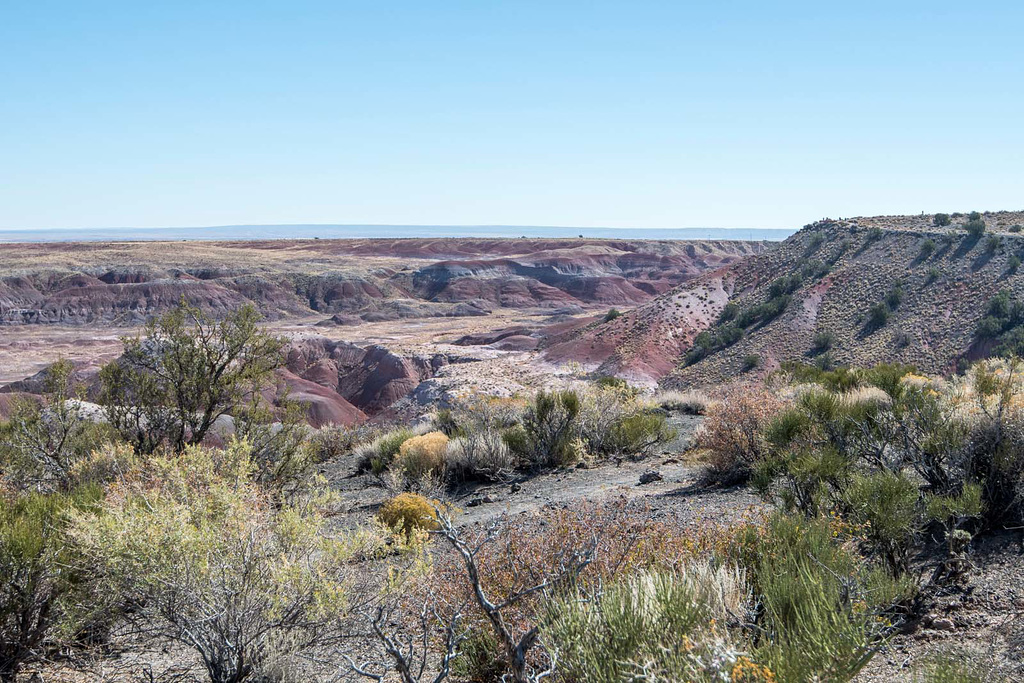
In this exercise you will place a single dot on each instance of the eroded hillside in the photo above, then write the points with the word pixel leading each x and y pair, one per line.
pixel 857 291
pixel 368 280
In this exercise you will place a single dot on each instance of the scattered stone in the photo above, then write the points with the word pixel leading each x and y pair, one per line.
pixel 942 625
pixel 650 476
pixel 515 488
pixel 479 501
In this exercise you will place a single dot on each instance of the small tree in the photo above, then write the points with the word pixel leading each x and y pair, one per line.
pixel 186 370
pixel 941 220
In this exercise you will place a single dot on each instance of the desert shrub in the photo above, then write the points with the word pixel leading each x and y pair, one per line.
pixel 826 361
pixel 422 456
pixel 43 440
pixel 988 398
pixel 927 248
pixel 734 321
pixel 886 504
pixel 732 433
pixel 812 269
pixel 975 226
pixel 729 312
pixel 407 513
pixel 873 235
pixel 446 421
pixel 878 316
pixel 894 296
pixel 616 383
pixel 787 600
pixel 611 315
pixel 751 361
pixel 517 441
pixel 821 602
pixel 1016 227
pixel 614 420
pixel 900 452
pixel 483 456
pixel 38 577
pixel 173 382
pixel 481 413
pixel 1003 323
pixel 764 312
pixel 479 658
pixel 992 243
pixel 823 341
pixel 639 433
pixel 203 557
pixel 518 553
pixel 784 285
pixel 331 442
pixel 841 378
pixel 1013 264
pixel 709 341
pixel 686 402
pixel 552 428
pixel 281 448
pixel 932 275
pixel 941 220
pixel 105 465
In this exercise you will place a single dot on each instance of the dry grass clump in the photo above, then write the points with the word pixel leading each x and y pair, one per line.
pixel 484 455
pixel 691 402
pixel 628 628
pixel 864 395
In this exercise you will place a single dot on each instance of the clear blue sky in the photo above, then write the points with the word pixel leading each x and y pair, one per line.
pixel 622 114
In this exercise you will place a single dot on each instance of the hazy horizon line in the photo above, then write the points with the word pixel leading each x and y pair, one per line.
pixel 383 225
pixel 300 231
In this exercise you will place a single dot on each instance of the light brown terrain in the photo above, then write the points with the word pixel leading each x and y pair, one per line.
pixel 369 320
